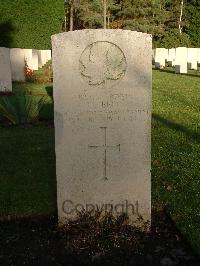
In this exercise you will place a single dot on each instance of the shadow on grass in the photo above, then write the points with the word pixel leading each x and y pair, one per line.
pixel 173 72
pixel 47 111
pixel 49 90
pixel 189 133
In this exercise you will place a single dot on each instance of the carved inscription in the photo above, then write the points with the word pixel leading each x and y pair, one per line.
pixel 105 147
pixel 102 63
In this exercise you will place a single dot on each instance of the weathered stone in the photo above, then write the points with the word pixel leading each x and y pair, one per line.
pixel 35 59
pixel 171 56
pixel 48 55
pixel 198 55
pixel 160 57
pixel 181 60
pixel 102 96
pixel 5 70
pixel 17 59
pixel 42 58
pixel 192 58
pixel 28 55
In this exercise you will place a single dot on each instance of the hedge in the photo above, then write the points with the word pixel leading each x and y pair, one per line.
pixel 30 23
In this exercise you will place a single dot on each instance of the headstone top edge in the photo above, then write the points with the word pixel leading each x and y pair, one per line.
pixel 99 30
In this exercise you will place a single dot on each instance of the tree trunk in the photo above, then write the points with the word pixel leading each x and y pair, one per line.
pixel 71 16
pixel 104 13
pixel 180 19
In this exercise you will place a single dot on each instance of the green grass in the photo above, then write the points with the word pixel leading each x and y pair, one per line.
pixel 27 161
pixel 175 150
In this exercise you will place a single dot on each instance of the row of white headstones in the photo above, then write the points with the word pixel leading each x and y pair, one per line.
pixel 16 61
pixel 182 58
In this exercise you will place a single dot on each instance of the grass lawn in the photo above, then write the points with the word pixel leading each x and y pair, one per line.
pixel 27 160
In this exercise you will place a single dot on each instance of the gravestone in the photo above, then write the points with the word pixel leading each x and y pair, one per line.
pixel 181 60
pixel 35 59
pixel 171 56
pixel 153 56
pixel 28 55
pixel 5 70
pixel 42 58
pixel 198 55
pixel 17 59
pixel 48 55
pixel 192 58
pixel 160 57
pixel 102 97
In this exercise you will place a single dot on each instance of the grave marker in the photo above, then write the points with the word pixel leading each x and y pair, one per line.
pixel 102 96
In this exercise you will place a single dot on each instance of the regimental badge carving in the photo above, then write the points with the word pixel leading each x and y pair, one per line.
pixel 102 63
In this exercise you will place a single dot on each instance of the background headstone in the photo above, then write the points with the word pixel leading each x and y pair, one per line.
pixel 192 58
pixel 42 58
pixel 17 60
pixel 102 96
pixel 35 59
pixel 198 55
pixel 28 55
pixel 48 55
pixel 171 56
pixel 5 70
pixel 160 57
pixel 181 60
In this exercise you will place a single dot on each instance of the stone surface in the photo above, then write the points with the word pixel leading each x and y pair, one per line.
pixel 35 59
pixel 181 60
pixel 17 59
pixel 28 55
pixel 102 96
pixel 198 55
pixel 192 58
pixel 48 55
pixel 42 58
pixel 171 56
pixel 160 57
pixel 5 70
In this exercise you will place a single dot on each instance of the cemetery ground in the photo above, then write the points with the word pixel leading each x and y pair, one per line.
pixel 28 231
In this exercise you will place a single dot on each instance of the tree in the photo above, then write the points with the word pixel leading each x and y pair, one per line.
pixel 192 17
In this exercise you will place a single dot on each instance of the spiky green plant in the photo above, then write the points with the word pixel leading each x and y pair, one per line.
pixel 21 108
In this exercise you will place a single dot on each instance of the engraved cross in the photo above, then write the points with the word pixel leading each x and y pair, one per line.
pixel 105 148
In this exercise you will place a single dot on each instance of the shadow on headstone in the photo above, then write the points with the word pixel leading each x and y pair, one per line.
pixel 7 30
pixel 189 65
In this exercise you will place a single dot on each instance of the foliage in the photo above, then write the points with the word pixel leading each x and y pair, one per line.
pixel 159 18
pixel 30 24
pixel 21 108
pixel 42 75
pixel 193 22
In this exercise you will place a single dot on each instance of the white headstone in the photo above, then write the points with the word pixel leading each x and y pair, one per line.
pixel 28 54
pixel 181 60
pixel 102 95
pixel 5 70
pixel 160 57
pixel 17 60
pixel 198 55
pixel 153 55
pixel 192 58
pixel 171 56
pixel 48 55
pixel 35 59
pixel 42 58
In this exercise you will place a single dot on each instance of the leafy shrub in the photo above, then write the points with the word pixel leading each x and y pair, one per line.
pixel 21 109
